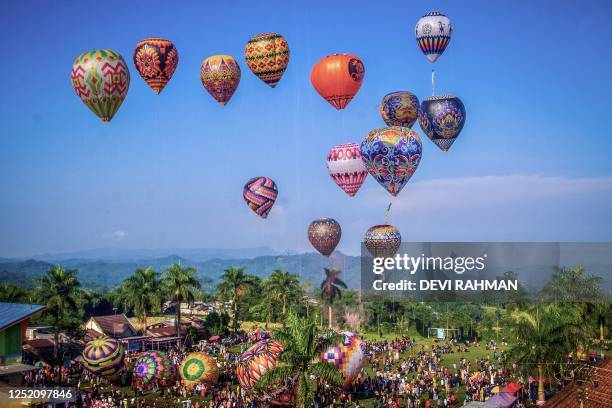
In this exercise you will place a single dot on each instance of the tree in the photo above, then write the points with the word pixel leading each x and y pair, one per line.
pixel 283 287
pixel 180 284
pixel 545 334
pixel 234 285
pixel 12 293
pixel 298 362
pixel 331 289
pixel 141 293
pixel 59 291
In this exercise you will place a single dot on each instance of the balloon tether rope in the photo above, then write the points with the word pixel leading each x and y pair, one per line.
pixel 387 212
pixel 433 82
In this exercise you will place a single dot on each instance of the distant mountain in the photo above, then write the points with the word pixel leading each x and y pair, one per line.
pixel 110 273
pixel 121 254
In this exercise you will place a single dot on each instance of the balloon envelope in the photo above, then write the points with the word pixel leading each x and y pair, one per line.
pixel 103 356
pixel 101 79
pixel 346 167
pixel 399 109
pixel 324 234
pixel 382 241
pixel 198 368
pixel 256 361
pixel 260 194
pixel 337 78
pixel 156 60
pixel 433 33
pixel 267 56
pixel 442 118
pixel 154 365
pixel 348 356
pixel 392 155
pixel 220 75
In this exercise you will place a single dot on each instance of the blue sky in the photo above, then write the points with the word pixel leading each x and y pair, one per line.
pixel 532 162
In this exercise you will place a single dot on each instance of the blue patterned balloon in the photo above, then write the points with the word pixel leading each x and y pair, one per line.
pixel 442 118
pixel 392 155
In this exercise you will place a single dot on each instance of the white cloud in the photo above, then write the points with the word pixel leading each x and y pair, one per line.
pixel 117 235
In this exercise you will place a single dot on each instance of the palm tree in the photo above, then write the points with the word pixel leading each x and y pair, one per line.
pixel 12 293
pixel 58 290
pixel 180 283
pixel 284 287
pixel 331 289
pixel 141 293
pixel 298 361
pixel 545 334
pixel 234 285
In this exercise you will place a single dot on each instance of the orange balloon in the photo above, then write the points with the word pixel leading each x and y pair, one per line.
pixel 337 78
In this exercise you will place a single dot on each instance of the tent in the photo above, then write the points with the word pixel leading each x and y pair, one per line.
pixel 502 400
pixel 512 388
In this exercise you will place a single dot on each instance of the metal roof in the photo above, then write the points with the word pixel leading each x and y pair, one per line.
pixel 11 313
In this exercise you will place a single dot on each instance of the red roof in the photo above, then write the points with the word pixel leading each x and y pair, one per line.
pixel 162 332
pixel 115 325
pixel 595 396
pixel 39 343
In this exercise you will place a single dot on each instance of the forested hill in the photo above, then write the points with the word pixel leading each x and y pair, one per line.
pixel 101 273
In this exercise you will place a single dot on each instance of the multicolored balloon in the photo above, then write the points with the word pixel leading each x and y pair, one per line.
pixel 400 109
pixel 199 368
pixel 337 78
pixel 101 79
pixel 220 75
pixel 324 234
pixel 156 60
pixel 103 356
pixel 256 361
pixel 154 365
pixel 346 167
pixel 382 241
pixel 348 356
pixel 433 33
pixel 260 194
pixel 392 155
pixel 442 118
pixel 267 56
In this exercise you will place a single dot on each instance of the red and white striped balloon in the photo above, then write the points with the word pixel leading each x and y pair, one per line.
pixel 346 167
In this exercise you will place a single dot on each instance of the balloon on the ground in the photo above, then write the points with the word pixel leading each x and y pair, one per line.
pixel 337 78
pixel 433 33
pixel 256 361
pixel 101 79
pixel 260 194
pixel 103 356
pixel 154 365
pixel 220 75
pixel 156 60
pixel 324 234
pixel 199 368
pixel 442 118
pixel 392 155
pixel 400 109
pixel 267 56
pixel 348 356
pixel 382 241
pixel 346 167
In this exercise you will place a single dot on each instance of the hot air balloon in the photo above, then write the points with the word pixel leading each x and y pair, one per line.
pixel 101 79
pixel 267 56
pixel 400 109
pixel 442 118
pixel 260 194
pixel 220 75
pixel 348 356
pixel 199 368
pixel 324 234
pixel 337 78
pixel 346 167
pixel 103 356
pixel 433 33
pixel 256 361
pixel 392 155
pixel 154 365
pixel 156 60
pixel 382 241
